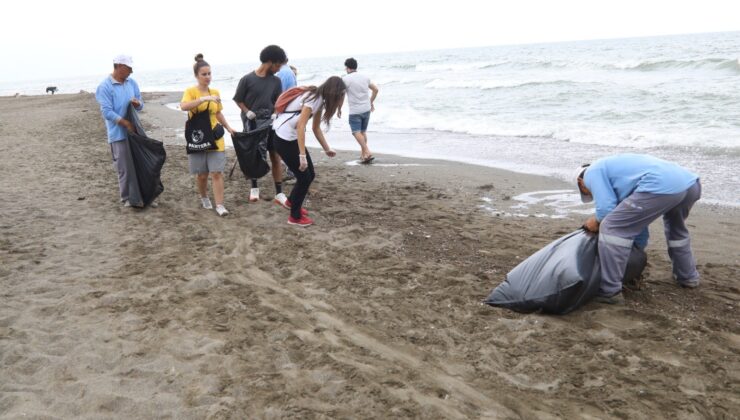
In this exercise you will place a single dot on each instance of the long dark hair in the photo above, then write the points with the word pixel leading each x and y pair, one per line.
pixel 332 93
pixel 199 64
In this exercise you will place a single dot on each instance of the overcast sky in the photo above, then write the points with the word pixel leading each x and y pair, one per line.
pixel 46 39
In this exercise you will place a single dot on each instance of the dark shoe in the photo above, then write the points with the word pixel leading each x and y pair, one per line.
pixel 616 299
pixel 368 159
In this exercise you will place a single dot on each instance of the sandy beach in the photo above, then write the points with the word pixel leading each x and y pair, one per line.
pixel 373 312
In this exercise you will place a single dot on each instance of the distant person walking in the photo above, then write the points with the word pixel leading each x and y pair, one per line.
pixel 630 191
pixel 255 95
pixel 114 94
pixel 319 103
pixel 287 76
pixel 202 98
pixel 361 104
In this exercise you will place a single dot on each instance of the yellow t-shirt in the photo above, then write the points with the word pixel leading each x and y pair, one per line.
pixel 191 94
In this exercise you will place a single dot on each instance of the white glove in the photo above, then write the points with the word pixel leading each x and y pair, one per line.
pixel 273 116
pixel 251 115
pixel 304 163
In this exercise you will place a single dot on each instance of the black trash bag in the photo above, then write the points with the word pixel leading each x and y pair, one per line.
pixel 251 151
pixel 146 159
pixel 559 278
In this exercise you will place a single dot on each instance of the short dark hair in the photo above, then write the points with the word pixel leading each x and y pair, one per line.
pixel 350 63
pixel 273 54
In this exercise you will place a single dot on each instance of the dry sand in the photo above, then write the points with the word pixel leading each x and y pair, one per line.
pixel 374 312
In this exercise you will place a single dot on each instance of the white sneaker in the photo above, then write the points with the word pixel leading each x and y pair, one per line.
pixel 221 210
pixel 126 204
pixel 282 199
pixel 206 203
pixel 154 204
pixel 254 194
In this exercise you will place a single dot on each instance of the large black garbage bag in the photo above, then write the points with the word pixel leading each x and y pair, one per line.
pixel 146 159
pixel 560 277
pixel 251 152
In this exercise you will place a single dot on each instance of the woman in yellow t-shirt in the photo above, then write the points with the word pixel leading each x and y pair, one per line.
pixel 201 98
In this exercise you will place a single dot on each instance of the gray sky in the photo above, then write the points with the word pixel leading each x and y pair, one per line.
pixel 45 39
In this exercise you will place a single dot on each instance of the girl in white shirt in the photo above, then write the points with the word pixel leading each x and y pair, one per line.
pixel 289 139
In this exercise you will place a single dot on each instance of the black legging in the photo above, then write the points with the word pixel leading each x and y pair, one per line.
pixel 288 151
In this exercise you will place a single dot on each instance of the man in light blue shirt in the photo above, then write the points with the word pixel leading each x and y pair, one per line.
pixel 287 77
pixel 630 191
pixel 114 94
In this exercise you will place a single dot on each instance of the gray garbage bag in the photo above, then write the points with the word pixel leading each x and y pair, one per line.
pixel 560 277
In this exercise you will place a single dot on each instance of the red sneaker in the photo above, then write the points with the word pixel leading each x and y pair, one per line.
pixel 303 221
pixel 287 205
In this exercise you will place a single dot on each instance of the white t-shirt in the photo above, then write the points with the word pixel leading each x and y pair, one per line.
pixel 358 92
pixel 285 124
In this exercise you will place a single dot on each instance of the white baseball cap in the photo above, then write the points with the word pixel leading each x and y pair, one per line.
pixel 579 173
pixel 126 60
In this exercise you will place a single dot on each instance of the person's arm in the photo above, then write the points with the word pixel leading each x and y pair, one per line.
pixel 374 95
pixel 239 95
pixel 188 104
pixel 137 101
pixel 605 199
pixel 301 131
pixel 320 135
pixel 104 96
pixel 220 118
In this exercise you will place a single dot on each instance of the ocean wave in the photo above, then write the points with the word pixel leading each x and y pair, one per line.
pixel 491 84
pixel 658 65
pixel 458 66
pixel 603 133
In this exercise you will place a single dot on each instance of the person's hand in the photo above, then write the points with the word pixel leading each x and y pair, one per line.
pixel 304 163
pixel 135 102
pixel 273 116
pixel 330 152
pixel 251 115
pixel 126 124
pixel 339 113
pixel 210 98
pixel 230 130
pixel 372 108
pixel 592 225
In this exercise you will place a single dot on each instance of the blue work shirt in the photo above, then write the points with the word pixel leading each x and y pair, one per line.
pixel 614 178
pixel 287 77
pixel 114 97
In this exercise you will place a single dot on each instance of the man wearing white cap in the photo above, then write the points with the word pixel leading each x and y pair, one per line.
pixel 114 95
pixel 630 191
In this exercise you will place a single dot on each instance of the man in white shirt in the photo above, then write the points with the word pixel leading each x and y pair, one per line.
pixel 361 104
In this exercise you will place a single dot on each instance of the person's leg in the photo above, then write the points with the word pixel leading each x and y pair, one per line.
pixel 365 122
pixel 288 151
pixel 364 152
pixel 355 125
pixel 216 164
pixel 201 180
pixel 298 195
pixel 679 241
pixel 277 165
pixel 619 229
pixel 120 164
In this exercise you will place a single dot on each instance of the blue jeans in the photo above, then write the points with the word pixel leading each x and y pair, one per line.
pixel 358 122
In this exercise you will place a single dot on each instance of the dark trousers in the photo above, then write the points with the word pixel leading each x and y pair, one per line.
pixel 288 151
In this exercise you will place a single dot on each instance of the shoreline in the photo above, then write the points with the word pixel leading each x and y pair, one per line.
pixel 373 312
pixel 166 126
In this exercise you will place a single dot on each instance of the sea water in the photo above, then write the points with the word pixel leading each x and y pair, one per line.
pixel 541 108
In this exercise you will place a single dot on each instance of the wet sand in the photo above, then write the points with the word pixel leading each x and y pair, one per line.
pixel 373 312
